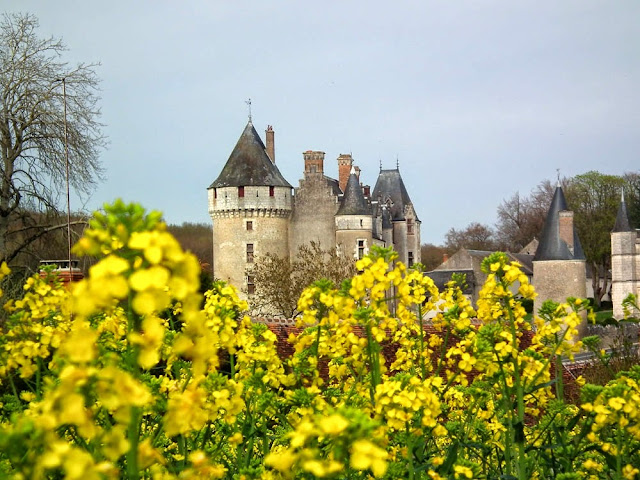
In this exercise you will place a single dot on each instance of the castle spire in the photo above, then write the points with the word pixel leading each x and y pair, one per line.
pixel 622 218
pixel 559 240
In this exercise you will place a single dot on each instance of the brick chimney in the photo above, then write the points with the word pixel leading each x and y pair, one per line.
pixel 565 228
pixel 313 162
pixel 271 148
pixel 345 161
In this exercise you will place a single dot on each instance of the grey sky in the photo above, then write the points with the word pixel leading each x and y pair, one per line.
pixel 477 99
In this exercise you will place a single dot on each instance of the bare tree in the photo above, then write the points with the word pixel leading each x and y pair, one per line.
pixel 433 255
pixel 279 281
pixel 32 131
pixel 475 236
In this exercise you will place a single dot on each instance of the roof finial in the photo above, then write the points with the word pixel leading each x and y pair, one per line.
pixel 558 174
pixel 397 163
pixel 380 164
pixel 248 102
pixel 622 196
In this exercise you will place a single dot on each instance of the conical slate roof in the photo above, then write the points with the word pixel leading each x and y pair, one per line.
pixel 249 164
pixel 353 201
pixel 390 186
pixel 551 246
pixel 622 218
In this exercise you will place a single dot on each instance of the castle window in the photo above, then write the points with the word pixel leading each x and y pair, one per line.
pixel 240 191
pixel 249 225
pixel 410 226
pixel 272 191
pixel 251 286
pixel 215 193
pixel 249 252
pixel 410 262
pixel 360 249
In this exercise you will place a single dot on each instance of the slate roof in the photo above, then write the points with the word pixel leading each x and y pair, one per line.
pixel 249 164
pixel 522 258
pixel 390 186
pixel 353 201
pixel 622 218
pixel 441 277
pixel 551 246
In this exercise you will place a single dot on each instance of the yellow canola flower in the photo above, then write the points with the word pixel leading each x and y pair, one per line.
pixel 334 424
pixel 366 455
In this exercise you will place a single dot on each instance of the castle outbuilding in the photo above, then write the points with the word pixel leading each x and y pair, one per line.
pixel 559 265
pixel 255 211
pixel 625 261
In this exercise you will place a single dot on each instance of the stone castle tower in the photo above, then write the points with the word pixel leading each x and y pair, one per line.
pixel 255 211
pixel 559 265
pixel 625 261
pixel 250 204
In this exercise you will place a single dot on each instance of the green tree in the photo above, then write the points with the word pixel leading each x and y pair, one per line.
pixel 33 129
pixel 594 198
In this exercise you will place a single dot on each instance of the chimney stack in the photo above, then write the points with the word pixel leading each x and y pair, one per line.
pixel 271 148
pixel 565 228
pixel 313 162
pixel 345 161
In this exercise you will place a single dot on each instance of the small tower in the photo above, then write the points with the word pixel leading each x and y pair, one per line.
pixel 354 220
pixel 401 227
pixel 250 204
pixel 559 265
pixel 625 261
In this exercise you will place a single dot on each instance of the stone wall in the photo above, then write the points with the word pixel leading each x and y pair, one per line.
pixel 313 214
pixel 558 279
pixel 236 234
pixel 625 269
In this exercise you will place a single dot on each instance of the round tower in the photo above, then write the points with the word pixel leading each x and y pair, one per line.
pixel 354 220
pixel 625 261
pixel 559 265
pixel 250 204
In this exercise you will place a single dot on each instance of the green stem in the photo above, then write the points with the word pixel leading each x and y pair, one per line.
pixel 133 435
pixel 519 434
pixel 423 368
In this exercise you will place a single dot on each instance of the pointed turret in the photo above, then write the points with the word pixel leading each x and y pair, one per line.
pixel 625 261
pixel 559 240
pixel 405 224
pixel 559 265
pixel 353 201
pixel 250 196
pixel 249 164
pixel 622 218
pixel 391 190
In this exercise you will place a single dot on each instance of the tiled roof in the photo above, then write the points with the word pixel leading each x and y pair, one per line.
pixel 353 201
pixel 390 186
pixel 249 164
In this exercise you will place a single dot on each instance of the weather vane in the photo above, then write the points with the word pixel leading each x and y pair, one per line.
pixel 248 102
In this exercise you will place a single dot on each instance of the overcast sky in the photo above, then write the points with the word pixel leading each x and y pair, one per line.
pixel 476 99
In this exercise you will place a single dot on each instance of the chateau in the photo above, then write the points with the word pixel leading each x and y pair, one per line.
pixel 255 210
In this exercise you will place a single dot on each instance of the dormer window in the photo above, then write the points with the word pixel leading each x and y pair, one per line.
pixel 410 226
